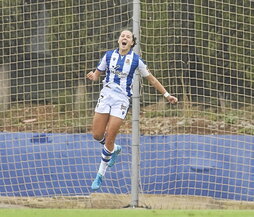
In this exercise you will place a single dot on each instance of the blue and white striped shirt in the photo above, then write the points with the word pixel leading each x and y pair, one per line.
pixel 120 70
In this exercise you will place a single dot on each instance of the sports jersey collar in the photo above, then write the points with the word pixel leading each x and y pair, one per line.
pixel 117 51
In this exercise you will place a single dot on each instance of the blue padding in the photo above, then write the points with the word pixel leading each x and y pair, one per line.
pixel 219 166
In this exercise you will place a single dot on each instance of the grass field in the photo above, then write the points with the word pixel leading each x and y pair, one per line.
pixel 122 213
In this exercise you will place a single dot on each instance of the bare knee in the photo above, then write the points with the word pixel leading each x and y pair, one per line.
pixel 98 136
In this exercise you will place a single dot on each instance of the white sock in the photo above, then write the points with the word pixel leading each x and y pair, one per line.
pixel 105 158
pixel 103 168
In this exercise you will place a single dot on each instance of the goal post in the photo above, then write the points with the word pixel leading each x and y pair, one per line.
pixel 136 113
pixel 197 154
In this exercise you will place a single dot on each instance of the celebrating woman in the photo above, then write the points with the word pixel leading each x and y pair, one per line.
pixel 119 66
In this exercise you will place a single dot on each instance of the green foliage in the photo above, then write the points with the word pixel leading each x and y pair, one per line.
pixel 200 48
pixel 196 48
pixel 10 15
pixel 224 40
pixel 231 119
pixel 168 113
pixel 67 35
pixel 246 131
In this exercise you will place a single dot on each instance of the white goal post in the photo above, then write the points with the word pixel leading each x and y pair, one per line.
pixel 197 154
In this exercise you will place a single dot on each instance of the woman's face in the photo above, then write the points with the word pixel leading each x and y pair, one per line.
pixel 125 40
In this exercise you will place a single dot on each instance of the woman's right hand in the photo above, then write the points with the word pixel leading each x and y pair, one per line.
pixel 93 76
pixel 90 76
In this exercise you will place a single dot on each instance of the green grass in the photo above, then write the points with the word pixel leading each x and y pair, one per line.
pixel 122 213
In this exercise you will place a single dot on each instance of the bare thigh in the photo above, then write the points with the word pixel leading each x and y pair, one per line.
pixel 113 127
pixel 100 122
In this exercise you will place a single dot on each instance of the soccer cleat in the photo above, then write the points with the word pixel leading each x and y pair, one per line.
pixel 97 182
pixel 114 156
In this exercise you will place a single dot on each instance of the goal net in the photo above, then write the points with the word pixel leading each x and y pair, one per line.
pixel 191 154
pixel 202 52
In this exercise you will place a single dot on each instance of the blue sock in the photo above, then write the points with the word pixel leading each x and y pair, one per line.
pixel 106 154
pixel 103 140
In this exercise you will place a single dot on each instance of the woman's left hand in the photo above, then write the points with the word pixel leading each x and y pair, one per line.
pixel 172 99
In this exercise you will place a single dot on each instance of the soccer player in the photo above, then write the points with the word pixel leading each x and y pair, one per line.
pixel 119 66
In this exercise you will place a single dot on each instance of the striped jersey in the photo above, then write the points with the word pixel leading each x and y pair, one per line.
pixel 120 70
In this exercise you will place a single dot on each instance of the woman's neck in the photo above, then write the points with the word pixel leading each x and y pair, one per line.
pixel 123 52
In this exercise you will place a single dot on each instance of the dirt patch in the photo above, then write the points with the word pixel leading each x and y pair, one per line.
pixel 118 201
pixel 156 119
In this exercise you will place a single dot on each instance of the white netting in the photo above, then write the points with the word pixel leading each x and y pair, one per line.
pixel 201 51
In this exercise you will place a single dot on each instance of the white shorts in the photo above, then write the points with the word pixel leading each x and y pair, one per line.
pixel 113 102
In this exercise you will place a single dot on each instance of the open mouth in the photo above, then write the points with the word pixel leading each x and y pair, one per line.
pixel 124 43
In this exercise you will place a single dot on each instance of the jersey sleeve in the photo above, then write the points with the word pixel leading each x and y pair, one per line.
pixel 102 66
pixel 142 67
